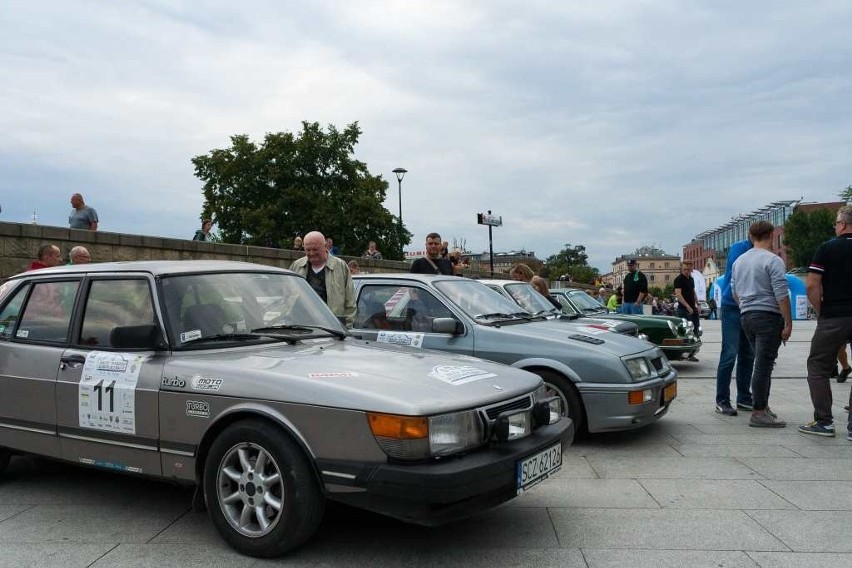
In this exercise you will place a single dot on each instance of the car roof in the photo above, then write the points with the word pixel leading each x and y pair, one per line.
pixel 425 278
pixel 154 267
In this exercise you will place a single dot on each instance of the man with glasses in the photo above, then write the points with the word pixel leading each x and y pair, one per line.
pixel 830 293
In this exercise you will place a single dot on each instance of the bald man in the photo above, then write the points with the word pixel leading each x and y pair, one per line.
pixel 82 216
pixel 329 276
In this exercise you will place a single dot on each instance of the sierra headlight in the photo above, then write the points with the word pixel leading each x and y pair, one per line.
pixel 672 327
pixel 639 368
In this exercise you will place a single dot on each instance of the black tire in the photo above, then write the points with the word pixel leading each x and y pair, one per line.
pixel 5 455
pixel 572 404
pixel 271 511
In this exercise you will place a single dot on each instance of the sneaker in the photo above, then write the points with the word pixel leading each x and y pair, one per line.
pixel 834 372
pixel 726 409
pixel 844 374
pixel 745 406
pixel 770 413
pixel 849 436
pixel 765 421
pixel 692 358
pixel 817 429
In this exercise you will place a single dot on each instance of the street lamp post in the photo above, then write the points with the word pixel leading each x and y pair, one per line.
pixel 400 173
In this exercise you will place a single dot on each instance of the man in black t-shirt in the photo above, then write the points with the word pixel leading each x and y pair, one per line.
pixel 433 263
pixel 830 293
pixel 635 287
pixel 687 303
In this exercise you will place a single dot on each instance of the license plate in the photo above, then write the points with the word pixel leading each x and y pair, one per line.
pixel 535 469
pixel 670 392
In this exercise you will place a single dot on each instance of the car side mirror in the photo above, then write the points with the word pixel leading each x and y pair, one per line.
pixel 137 337
pixel 446 325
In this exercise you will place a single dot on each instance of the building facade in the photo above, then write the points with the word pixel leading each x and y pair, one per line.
pixel 661 270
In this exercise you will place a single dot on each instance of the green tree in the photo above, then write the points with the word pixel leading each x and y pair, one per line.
pixel 804 232
pixel 573 261
pixel 265 194
pixel 846 194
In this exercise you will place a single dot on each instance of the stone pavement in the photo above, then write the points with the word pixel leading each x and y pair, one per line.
pixel 694 489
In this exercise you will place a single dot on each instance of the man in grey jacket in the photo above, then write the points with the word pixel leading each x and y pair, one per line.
pixel 329 276
pixel 759 286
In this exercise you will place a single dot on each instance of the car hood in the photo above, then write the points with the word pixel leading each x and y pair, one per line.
pixel 618 326
pixel 579 336
pixel 349 374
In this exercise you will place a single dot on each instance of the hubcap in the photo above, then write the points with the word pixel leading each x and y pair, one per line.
pixel 250 489
pixel 551 390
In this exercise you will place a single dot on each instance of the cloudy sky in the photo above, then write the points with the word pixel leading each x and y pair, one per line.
pixel 611 124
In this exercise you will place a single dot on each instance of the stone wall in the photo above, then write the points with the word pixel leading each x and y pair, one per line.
pixel 19 243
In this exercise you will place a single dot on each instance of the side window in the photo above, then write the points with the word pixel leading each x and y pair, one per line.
pixel 115 303
pixel 47 314
pixel 11 312
pixel 398 308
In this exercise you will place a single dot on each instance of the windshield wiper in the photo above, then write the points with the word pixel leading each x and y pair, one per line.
pixel 495 315
pixel 550 312
pixel 275 329
pixel 227 337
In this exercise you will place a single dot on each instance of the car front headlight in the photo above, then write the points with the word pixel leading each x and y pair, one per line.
pixel 672 327
pixel 638 368
pixel 419 438
pixel 456 432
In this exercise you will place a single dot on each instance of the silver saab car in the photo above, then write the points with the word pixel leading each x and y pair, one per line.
pixel 237 378
pixel 607 381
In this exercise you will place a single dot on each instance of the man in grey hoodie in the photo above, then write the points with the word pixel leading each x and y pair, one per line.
pixel 759 285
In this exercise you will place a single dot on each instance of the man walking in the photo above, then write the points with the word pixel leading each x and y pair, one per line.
pixel 635 289
pixel 830 293
pixel 759 285
pixel 82 216
pixel 329 277
pixel 433 262
pixel 735 346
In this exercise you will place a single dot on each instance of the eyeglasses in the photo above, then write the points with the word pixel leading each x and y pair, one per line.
pixel 838 222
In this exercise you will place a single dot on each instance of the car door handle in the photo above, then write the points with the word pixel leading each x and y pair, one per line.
pixel 73 361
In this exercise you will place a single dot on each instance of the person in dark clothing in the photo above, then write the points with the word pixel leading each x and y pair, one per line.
pixel 830 293
pixel 687 303
pixel 432 263
pixel 203 234
pixel 635 289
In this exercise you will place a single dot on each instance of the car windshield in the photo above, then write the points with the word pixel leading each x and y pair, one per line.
pixel 243 306
pixel 567 307
pixel 479 301
pixel 530 299
pixel 584 301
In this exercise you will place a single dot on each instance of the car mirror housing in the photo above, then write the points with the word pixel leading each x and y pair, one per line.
pixel 136 337
pixel 446 325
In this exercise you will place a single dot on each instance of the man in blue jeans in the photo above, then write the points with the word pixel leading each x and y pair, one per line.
pixel 735 346
pixel 759 285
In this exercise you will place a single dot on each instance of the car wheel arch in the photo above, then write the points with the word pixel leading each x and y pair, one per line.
pixel 236 414
pixel 576 407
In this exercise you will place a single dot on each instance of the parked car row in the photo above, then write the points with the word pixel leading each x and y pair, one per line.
pixel 675 336
pixel 445 399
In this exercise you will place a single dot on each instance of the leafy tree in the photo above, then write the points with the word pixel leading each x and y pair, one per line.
pixel 804 232
pixel 649 250
pixel 846 194
pixel 265 194
pixel 573 261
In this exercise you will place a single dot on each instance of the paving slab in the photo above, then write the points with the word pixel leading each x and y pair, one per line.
pixel 714 494
pixel 609 493
pixel 673 529
pixel 799 560
pixel 46 555
pixel 810 496
pixel 671 468
pixel 807 469
pixel 808 531
pixel 598 558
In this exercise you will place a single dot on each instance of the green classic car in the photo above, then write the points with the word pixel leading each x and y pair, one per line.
pixel 675 336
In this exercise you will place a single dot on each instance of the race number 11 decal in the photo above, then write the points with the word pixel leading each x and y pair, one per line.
pixel 107 394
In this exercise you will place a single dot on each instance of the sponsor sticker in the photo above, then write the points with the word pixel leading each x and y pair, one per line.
pixel 401 338
pixel 342 375
pixel 459 374
pixel 23 333
pixel 173 382
pixel 593 330
pixel 198 408
pixel 206 383
pixel 190 335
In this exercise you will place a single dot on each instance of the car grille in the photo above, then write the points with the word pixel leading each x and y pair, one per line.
pixel 518 404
